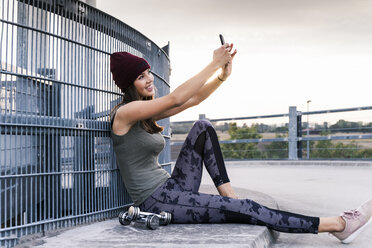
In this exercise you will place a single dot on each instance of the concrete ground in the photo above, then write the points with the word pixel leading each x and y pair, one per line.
pixel 319 188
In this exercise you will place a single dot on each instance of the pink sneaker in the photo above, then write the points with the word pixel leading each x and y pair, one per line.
pixel 356 221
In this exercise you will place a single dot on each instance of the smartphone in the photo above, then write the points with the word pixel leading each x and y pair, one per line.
pixel 222 39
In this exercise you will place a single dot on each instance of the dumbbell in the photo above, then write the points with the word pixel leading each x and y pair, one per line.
pixel 164 217
pixel 151 220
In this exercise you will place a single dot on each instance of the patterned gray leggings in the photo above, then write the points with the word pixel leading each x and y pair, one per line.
pixel 179 194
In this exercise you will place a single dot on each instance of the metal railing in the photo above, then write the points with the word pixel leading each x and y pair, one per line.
pixel 291 139
pixel 57 166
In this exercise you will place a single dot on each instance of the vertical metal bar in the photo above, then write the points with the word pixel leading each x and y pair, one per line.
pixel 41 131
pixel 96 175
pixel 100 139
pixel 85 71
pixel 117 196
pixel 299 134
pixel 104 125
pixel 63 186
pixel 81 76
pixel 28 180
pixel 17 163
pixel 12 112
pixel 292 134
pixel 6 51
pixel 67 139
pixel 73 92
pixel 93 165
pixel 1 39
pixel 43 83
pixel 65 74
pixel 12 48
pixel 63 115
pixel 56 183
pixel 5 180
pixel 84 189
pixel 79 71
pixel 116 47
pixel 98 38
pixel 54 153
pixel 63 200
pixel 307 132
pixel 73 80
pixel 24 115
pixel 10 180
pixel 102 37
pixel 76 186
pixel 33 191
pixel 82 176
pixel 19 180
pixel 49 187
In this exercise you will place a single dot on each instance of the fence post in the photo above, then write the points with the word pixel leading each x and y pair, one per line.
pixel 292 133
pixel 299 134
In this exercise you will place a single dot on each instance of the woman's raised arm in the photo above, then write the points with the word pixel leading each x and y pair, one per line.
pixel 204 92
pixel 141 110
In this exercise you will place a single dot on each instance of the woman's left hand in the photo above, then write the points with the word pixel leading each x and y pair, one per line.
pixel 227 68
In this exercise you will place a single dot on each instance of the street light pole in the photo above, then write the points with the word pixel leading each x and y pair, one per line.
pixel 307 133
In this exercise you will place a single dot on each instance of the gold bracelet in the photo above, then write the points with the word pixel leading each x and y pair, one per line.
pixel 220 79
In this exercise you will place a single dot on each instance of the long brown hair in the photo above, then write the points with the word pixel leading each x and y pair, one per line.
pixel 131 94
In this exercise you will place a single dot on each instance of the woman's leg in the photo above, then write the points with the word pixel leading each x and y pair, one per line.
pixel 200 145
pixel 193 207
pixel 331 224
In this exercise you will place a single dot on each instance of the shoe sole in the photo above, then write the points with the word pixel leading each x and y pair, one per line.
pixel 356 233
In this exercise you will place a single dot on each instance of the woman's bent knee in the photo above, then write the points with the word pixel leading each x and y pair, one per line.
pixel 203 124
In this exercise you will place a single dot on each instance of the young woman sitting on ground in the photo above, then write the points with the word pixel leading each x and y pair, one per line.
pixel 137 143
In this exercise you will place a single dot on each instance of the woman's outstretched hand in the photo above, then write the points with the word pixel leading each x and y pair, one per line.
pixel 222 55
pixel 227 68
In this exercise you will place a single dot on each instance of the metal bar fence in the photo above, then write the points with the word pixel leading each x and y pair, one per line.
pixel 57 166
pixel 284 139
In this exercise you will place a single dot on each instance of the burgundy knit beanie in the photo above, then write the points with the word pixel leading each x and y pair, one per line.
pixel 125 68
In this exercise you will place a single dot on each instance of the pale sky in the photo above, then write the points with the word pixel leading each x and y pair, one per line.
pixel 289 51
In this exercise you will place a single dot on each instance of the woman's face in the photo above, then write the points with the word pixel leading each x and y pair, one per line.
pixel 145 84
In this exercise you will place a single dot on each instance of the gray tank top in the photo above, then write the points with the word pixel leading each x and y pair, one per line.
pixel 137 154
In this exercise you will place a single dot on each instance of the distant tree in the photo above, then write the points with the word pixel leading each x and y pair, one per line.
pixel 329 149
pixel 347 126
pixel 276 150
pixel 222 127
pixel 181 128
pixel 242 150
pixel 318 149
pixel 281 129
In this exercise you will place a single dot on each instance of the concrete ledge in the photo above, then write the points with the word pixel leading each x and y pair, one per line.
pixel 111 234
